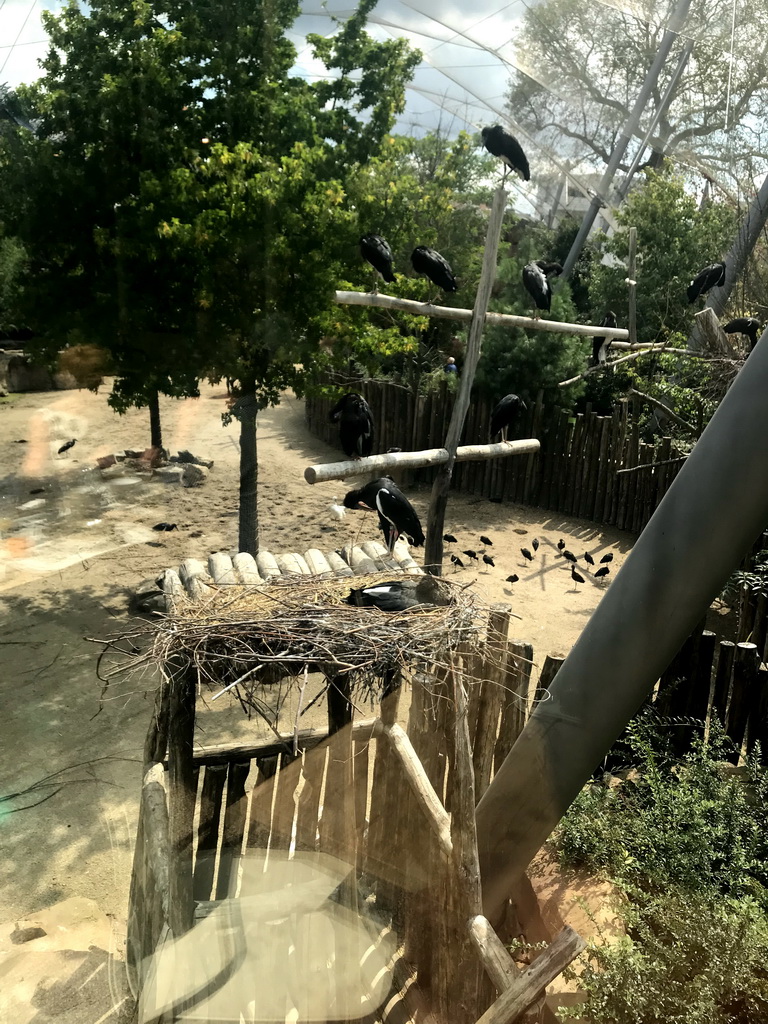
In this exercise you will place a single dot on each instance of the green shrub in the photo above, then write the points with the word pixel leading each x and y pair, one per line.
pixel 686 845
pixel 688 958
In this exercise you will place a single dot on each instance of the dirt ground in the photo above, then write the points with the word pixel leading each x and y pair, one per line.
pixel 70 772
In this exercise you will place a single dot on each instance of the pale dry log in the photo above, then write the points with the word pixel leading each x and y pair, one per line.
pixel 491 319
pixel 416 460
pixel 418 780
pixel 525 989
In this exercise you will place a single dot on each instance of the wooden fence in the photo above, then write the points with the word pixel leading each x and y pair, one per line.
pixel 589 466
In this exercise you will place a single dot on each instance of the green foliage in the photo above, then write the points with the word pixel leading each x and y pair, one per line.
pixel 522 362
pixel 675 239
pixel 13 260
pixel 677 823
pixel 689 958
pixel 686 845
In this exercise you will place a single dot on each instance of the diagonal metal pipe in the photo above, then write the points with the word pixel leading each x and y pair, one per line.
pixel 704 525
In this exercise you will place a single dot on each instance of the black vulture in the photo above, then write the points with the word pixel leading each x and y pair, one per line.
pixel 536 281
pixel 377 252
pixel 470 554
pixel 601 345
pixel 576 576
pixel 499 142
pixel 486 540
pixel 67 446
pixel 602 571
pixel 398 595
pixel 560 544
pixel 434 266
pixel 710 277
pixel 489 561
pixel 457 561
pixel 356 429
pixel 503 414
pixel 526 554
pixel 396 514
pixel 588 558
pixel 746 325
pixel 535 544
pixel 449 538
pixel 513 578
pixel 167 527
pixel 607 558
pixel 569 555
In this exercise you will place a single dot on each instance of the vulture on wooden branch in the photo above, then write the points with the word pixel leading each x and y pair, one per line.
pixel 377 252
pixel 504 413
pixel 710 277
pixel 499 142
pixel 356 428
pixel 600 346
pixel 536 281
pixel 434 266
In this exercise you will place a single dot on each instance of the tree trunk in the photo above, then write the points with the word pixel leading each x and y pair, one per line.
pixel 155 428
pixel 249 474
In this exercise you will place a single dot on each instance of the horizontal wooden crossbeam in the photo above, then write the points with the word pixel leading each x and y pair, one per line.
pixel 491 319
pixel 416 460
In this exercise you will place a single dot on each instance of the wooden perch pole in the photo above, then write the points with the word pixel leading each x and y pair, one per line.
pixel 491 319
pixel 413 460
pixel 632 285
pixel 709 336
pixel 433 553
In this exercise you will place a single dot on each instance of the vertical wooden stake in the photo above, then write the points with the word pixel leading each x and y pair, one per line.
pixel 433 554
pixel 181 796
pixel 632 285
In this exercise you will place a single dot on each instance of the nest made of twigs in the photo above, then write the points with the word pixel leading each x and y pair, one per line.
pixel 250 636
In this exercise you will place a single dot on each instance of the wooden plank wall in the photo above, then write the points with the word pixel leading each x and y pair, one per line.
pixel 575 473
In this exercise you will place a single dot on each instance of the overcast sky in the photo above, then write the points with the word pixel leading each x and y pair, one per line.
pixel 465 46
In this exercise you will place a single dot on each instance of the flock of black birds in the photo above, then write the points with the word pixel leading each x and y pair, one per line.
pixel 537 276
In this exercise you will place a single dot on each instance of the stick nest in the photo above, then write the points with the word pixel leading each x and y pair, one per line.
pixel 301 624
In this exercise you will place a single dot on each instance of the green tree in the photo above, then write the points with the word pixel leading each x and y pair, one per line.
pixel 12 266
pixel 675 239
pixel 261 217
pixel 113 105
pixel 201 192
pixel 429 191
pixel 523 362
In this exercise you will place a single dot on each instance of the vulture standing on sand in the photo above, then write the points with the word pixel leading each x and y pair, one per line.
pixel 600 346
pixel 355 419
pixel 377 252
pixel 434 266
pixel 536 281
pixel 710 277
pixel 746 325
pixel 67 446
pixel 398 595
pixel 499 142
pixel 396 514
pixel 503 414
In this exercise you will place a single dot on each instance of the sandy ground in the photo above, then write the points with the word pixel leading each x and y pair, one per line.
pixel 70 770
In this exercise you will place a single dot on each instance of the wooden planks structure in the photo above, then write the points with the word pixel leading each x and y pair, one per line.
pixel 589 466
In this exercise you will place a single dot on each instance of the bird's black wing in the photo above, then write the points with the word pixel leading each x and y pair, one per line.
pixel 429 262
pixel 501 143
pixel 709 277
pixel 537 286
pixel 395 507
pixel 377 252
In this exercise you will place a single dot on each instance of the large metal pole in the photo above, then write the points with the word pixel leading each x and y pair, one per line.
pixel 706 522
pixel 664 103
pixel 630 129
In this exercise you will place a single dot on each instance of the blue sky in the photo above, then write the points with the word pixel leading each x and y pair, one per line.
pixel 461 80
